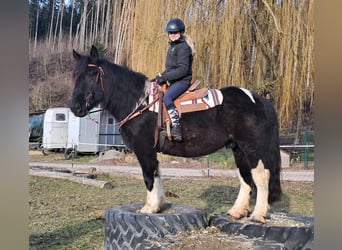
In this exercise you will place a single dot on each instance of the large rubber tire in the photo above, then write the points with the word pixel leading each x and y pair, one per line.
pixel 267 236
pixel 70 153
pixel 128 229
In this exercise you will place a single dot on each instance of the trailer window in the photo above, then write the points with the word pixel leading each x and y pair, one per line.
pixel 60 117
pixel 110 121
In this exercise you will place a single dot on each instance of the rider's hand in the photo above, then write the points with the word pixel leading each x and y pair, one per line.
pixel 160 80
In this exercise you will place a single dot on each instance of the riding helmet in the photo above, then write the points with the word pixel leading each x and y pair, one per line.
pixel 175 25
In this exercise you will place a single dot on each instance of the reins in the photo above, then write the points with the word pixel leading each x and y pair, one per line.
pixel 137 112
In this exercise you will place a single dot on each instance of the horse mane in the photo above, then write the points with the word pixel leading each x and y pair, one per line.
pixel 123 88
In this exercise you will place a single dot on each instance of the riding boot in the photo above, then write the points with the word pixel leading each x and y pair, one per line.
pixel 176 130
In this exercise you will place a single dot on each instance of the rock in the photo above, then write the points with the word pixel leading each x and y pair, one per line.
pixel 109 155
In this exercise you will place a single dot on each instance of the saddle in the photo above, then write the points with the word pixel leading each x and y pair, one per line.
pixel 191 100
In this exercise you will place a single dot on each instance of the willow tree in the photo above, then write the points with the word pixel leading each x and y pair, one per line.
pixel 263 45
pixel 122 29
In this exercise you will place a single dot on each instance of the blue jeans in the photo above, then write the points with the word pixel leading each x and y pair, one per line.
pixel 175 90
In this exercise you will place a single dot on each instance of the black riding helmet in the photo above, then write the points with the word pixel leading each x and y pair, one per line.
pixel 175 25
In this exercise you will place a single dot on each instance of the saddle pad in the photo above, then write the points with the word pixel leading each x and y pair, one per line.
pixel 213 98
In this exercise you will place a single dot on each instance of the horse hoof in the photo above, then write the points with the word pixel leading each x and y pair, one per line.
pixel 257 218
pixel 149 210
pixel 145 210
pixel 233 213
pixel 231 217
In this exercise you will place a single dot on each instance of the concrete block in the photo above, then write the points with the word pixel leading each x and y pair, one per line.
pixel 285 159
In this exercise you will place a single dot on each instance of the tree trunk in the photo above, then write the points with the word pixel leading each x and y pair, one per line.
pixel 51 22
pixel 97 14
pixel 102 22
pixel 60 35
pixel 83 25
pixel 71 20
pixel 91 35
pixel 36 32
pixel 107 26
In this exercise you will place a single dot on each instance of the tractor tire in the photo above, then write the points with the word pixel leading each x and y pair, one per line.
pixel 266 236
pixel 128 229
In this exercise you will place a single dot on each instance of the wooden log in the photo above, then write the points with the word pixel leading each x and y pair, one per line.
pixel 70 177
pixel 91 182
pixel 57 175
pixel 91 170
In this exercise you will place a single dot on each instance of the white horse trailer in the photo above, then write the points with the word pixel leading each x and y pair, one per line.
pixel 55 128
pixel 110 137
pixel 96 132
pixel 83 134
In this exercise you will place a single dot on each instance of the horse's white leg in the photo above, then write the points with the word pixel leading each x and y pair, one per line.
pixel 261 177
pixel 241 204
pixel 155 198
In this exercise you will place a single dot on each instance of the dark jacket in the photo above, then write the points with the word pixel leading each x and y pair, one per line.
pixel 178 62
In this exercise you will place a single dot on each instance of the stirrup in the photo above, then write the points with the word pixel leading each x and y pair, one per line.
pixel 163 132
pixel 173 135
pixel 166 132
pixel 176 134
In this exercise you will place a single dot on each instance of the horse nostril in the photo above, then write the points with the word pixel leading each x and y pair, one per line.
pixel 78 108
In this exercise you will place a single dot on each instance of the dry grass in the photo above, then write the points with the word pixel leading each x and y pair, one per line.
pixel 67 215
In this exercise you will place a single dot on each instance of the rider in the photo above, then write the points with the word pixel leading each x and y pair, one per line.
pixel 178 71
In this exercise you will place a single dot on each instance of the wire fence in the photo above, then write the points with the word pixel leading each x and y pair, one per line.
pixel 299 154
pixel 300 148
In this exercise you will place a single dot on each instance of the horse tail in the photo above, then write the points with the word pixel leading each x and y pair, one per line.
pixel 274 163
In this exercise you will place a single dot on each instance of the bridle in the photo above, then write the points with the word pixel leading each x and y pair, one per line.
pixel 98 80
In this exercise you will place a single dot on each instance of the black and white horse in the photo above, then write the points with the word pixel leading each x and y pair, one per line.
pixel 245 122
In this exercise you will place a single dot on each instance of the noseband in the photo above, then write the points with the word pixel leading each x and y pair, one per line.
pixel 99 79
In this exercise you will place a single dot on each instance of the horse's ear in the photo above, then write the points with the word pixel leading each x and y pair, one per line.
pixel 76 55
pixel 94 54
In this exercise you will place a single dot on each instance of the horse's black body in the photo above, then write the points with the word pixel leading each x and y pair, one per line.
pixel 246 124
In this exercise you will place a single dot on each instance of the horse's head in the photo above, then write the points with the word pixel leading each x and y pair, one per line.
pixel 89 87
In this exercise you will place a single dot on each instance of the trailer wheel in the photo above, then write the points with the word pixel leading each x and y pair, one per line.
pixel 128 229
pixel 70 153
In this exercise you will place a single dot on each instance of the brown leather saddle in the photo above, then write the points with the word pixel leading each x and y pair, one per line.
pixel 191 100
pixel 190 94
pixel 184 103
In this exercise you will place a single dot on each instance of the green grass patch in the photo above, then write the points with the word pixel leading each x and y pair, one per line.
pixel 222 159
pixel 67 215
